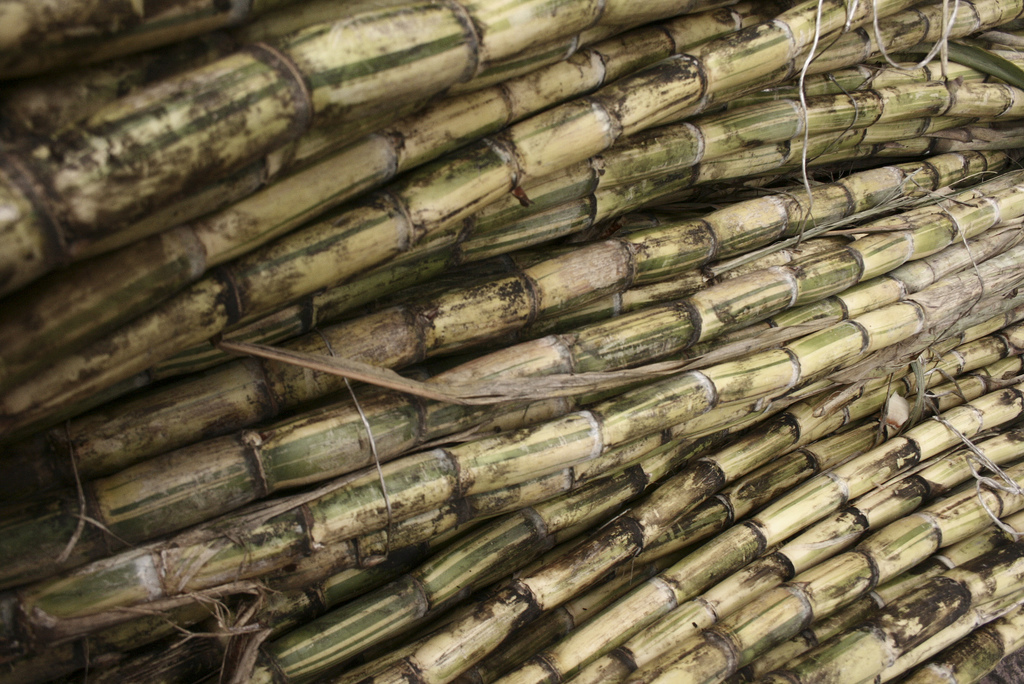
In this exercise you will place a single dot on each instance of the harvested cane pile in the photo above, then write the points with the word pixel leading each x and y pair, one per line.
pixel 532 341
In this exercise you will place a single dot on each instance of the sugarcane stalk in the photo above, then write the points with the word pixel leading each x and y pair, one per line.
pixel 826 586
pixel 114 438
pixel 1001 39
pixel 687 282
pixel 974 656
pixel 640 297
pixel 987 377
pixel 483 172
pixel 739 286
pixel 49 104
pixel 970 327
pixel 980 136
pixel 322 308
pixel 761 486
pixel 283 618
pixel 586 600
pixel 904 30
pixel 333 304
pixel 668 613
pixel 668 151
pixel 884 594
pixel 41 36
pixel 593 464
pixel 911 619
pixel 316 583
pixel 293 601
pixel 897 499
pixel 683 32
pixel 973 619
pixel 568 616
pixel 858 77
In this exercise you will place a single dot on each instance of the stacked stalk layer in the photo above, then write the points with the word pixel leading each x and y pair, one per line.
pixel 195 485
pixel 243 393
pixel 164 264
pixel 418 207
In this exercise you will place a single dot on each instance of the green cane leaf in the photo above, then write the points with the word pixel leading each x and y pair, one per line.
pixel 982 60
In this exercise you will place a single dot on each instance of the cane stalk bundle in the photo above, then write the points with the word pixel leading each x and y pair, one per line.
pixel 977 654
pixel 425 341
pixel 165 267
pixel 166 263
pixel 426 207
pixel 911 619
pixel 265 96
pixel 679 613
pixel 855 613
pixel 196 485
pixel 717 651
pixel 147 426
pixel 513 598
pixel 412 475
